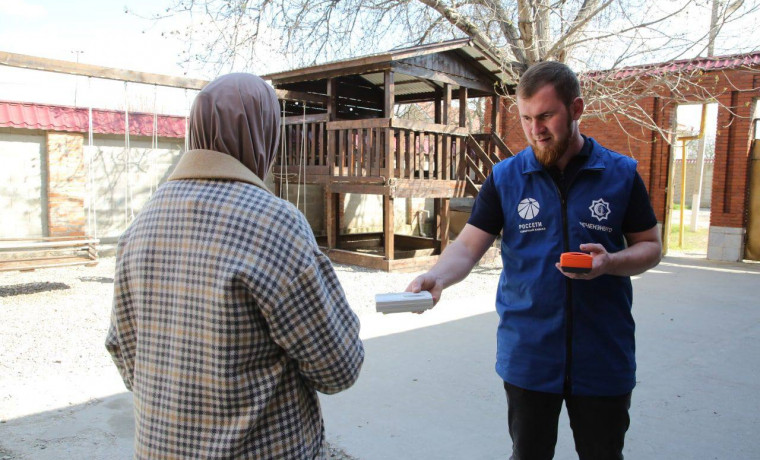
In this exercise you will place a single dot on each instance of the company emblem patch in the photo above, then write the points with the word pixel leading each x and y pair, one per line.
pixel 600 209
pixel 528 208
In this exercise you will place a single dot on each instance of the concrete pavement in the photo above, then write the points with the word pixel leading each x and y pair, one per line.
pixel 428 389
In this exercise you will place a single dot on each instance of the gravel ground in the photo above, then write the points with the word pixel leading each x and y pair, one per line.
pixel 53 323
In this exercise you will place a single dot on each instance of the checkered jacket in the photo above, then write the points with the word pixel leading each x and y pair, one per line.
pixel 226 319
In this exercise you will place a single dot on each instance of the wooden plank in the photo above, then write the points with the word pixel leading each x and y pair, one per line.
pixel 108 73
pixel 380 153
pixel 408 158
pixel 444 223
pixel 505 151
pixel 388 227
pixel 446 104
pixel 388 93
pixel 473 167
pixel 310 170
pixel 330 214
pixel 438 156
pixel 341 150
pixel 360 124
pixel 367 189
pixel 414 242
pixel 471 188
pixel 300 96
pixel 462 107
pixel 442 77
pixel 313 139
pixel 330 152
pixel 482 155
pixel 340 256
pixel 428 127
pixel 428 188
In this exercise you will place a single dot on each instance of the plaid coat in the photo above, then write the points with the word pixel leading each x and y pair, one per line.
pixel 226 319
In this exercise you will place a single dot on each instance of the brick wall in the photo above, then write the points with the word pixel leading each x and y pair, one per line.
pixel 67 181
pixel 733 89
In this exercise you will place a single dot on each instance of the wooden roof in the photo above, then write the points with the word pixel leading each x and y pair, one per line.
pixel 420 73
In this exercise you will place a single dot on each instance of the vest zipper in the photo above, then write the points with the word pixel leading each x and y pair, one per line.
pixel 567 384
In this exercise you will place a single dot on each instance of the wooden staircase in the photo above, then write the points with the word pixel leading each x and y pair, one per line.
pixel 480 159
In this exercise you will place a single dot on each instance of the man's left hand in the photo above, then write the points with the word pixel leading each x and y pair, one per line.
pixel 599 263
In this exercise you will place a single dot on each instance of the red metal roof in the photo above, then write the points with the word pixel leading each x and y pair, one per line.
pixel 705 64
pixel 75 119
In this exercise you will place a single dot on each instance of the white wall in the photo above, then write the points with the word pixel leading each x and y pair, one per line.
pixel 22 175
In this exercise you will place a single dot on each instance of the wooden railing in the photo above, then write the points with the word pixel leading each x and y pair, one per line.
pixel 375 150
pixel 395 148
pixel 303 141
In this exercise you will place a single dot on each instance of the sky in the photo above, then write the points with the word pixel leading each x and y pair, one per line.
pixel 97 32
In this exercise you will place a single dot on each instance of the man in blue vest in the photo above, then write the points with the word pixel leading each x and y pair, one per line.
pixel 561 336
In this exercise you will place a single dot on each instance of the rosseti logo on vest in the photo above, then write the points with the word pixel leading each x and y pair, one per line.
pixel 528 209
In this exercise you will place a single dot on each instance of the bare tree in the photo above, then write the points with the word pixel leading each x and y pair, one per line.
pixel 589 35
pixel 585 33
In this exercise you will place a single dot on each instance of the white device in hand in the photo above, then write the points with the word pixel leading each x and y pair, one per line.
pixel 403 302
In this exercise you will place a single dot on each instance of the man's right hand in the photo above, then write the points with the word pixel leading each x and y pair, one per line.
pixel 427 282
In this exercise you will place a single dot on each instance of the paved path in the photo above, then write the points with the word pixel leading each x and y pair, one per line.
pixel 428 389
pixel 431 393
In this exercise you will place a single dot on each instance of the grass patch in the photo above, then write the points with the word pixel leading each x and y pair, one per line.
pixel 692 241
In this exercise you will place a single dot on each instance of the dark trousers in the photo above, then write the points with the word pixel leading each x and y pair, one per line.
pixel 599 424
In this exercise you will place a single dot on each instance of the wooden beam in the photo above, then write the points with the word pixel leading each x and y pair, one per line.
pixel 414 242
pixel 300 96
pixel 446 104
pixel 87 70
pixel 471 188
pixel 444 220
pixel 428 188
pixel 445 150
pixel 299 119
pixel 462 107
pixel 388 227
pixel 359 124
pixel 419 72
pixel 474 167
pixel 428 127
pixel 330 219
pixel 332 98
pixel 495 106
pixel 484 157
pixel 389 92
pixel 505 151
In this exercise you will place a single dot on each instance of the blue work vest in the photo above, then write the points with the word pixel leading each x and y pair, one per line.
pixel 555 334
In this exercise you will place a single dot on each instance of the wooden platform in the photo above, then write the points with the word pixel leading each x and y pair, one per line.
pixel 25 254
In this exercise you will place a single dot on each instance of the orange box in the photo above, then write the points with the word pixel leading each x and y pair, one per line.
pixel 575 262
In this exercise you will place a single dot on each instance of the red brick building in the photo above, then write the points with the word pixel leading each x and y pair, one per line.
pixel 731 81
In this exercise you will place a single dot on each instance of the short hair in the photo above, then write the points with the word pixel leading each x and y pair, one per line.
pixel 553 73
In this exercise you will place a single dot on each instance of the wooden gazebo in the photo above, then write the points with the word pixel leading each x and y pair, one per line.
pixel 340 132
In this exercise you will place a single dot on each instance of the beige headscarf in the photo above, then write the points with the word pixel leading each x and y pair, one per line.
pixel 238 115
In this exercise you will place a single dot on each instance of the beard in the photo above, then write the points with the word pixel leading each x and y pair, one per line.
pixel 549 155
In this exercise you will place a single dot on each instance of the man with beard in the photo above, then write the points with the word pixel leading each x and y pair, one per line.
pixel 562 337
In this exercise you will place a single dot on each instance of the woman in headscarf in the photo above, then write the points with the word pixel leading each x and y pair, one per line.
pixel 227 318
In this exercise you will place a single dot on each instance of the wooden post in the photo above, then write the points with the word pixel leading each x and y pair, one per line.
pixel 388 227
pixel 459 167
pixel 331 208
pixel 444 218
pixel 446 140
pixel 495 106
